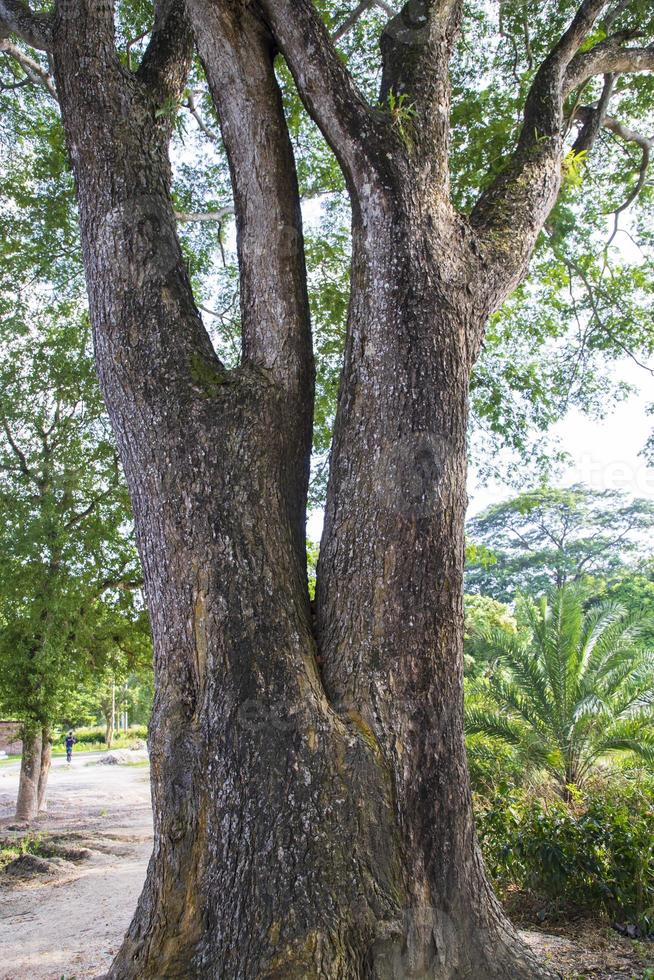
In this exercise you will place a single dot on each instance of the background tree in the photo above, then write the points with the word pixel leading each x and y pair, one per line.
pixel 483 615
pixel 216 452
pixel 69 577
pixel 550 536
pixel 579 689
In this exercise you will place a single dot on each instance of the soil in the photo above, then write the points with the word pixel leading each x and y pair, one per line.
pixel 67 918
pixel 63 910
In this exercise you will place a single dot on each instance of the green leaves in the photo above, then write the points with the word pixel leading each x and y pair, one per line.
pixel 594 853
pixel 549 536
pixel 69 598
pixel 578 687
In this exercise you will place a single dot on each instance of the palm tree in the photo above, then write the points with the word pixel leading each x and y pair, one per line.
pixel 579 688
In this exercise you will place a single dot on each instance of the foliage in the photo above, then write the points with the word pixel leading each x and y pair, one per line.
pixel 90 738
pixel 578 688
pixel 10 849
pixel 549 536
pixel 631 587
pixel 69 580
pixel 595 853
pixel 583 307
pixel 483 614
pixel 313 549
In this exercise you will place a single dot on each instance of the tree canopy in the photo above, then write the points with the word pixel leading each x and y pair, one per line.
pixel 69 579
pixel 587 301
pixel 551 536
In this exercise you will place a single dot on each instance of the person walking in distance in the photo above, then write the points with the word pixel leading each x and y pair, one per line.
pixel 70 741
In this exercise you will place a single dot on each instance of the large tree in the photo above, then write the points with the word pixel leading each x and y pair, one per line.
pixel 549 536
pixel 69 565
pixel 312 806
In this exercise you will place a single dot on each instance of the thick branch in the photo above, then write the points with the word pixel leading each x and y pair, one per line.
pixel 167 59
pixel 416 47
pixel 511 213
pixel 238 51
pixel 593 118
pixel 325 85
pixel 607 57
pixel 17 18
pixel 34 71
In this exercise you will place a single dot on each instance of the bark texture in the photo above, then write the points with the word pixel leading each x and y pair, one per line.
pixel 312 808
pixel 44 767
pixel 27 804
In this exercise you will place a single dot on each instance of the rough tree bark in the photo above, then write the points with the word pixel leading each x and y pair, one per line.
pixel 27 804
pixel 44 767
pixel 310 820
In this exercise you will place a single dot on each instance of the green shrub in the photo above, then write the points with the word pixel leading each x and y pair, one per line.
pixel 87 738
pixel 595 853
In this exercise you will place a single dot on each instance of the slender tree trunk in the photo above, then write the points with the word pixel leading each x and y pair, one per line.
pixel 27 804
pixel 111 718
pixel 44 768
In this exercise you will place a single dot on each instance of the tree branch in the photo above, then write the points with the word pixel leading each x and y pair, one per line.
pixel 588 116
pixel 34 29
pixel 510 214
pixel 417 47
pixel 358 12
pixel 325 84
pixel 594 118
pixel 167 58
pixel 17 451
pixel 34 71
pixel 607 57
pixel 196 217
pixel 191 105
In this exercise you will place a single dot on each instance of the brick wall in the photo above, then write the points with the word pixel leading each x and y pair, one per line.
pixel 9 740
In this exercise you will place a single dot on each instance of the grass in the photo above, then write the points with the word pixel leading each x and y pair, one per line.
pixel 10 850
pixel 59 750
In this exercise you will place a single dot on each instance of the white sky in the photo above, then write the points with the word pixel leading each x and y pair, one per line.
pixel 605 453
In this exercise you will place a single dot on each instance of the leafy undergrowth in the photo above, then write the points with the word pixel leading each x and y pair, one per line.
pixel 11 849
pixel 25 856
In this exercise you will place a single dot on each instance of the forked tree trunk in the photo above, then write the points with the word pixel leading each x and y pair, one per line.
pixel 27 804
pixel 309 823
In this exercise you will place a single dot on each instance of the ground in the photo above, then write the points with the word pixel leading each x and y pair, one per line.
pixel 70 923
pixel 66 918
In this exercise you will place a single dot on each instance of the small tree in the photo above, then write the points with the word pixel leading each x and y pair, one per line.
pixel 580 688
pixel 547 537
pixel 69 564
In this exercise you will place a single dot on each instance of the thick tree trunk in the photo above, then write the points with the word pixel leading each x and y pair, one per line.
pixel 390 574
pixel 307 824
pixel 44 768
pixel 27 804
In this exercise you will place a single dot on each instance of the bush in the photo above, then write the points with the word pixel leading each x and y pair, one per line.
pixel 594 854
pixel 87 738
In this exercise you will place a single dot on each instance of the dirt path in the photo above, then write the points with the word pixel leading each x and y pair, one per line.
pixel 71 925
